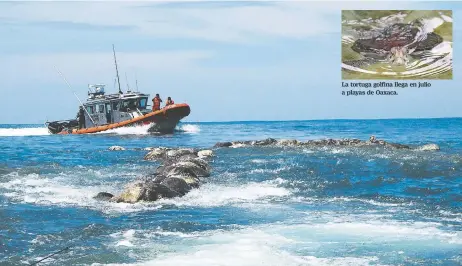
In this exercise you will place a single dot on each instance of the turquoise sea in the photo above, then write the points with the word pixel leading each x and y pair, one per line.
pixel 261 206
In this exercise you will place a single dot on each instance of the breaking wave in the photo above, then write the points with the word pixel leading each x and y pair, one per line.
pixel 280 244
pixel 190 128
pixel 20 132
pixel 144 130
pixel 135 130
pixel 69 189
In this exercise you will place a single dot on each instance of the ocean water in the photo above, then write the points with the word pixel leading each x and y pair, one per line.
pixel 261 206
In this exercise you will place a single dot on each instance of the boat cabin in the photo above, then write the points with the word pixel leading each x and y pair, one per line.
pixel 101 109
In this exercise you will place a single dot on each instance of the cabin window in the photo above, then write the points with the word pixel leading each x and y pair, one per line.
pixel 142 103
pixel 131 104
pixel 115 106
pixel 123 106
pixel 90 109
pixel 101 108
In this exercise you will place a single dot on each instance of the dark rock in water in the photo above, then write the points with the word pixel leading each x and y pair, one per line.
pixel 322 142
pixel 179 170
pixel 193 182
pixel 199 167
pixel 186 157
pixel 144 191
pixel 156 191
pixel 158 179
pixel 287 142
pixel 161 169
pixel 156 154
pixel 246 142
pixel 184 173
pixel 201 163
pixel 116 148
pixel 267 141
pixel 223 144
pixel 173 154
pixel 103 196
pixel 177 184
pixel 199 170
pixel 174 178
pixel 397 145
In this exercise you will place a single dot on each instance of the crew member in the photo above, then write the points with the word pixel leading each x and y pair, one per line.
pixel 169 101
pixel 156 103
pixel 81 117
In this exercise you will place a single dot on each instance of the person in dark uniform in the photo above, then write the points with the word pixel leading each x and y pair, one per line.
pixel 81 118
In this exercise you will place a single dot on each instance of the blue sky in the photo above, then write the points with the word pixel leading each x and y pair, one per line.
pixel 228 60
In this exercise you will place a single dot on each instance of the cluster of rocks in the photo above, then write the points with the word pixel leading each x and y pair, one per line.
pixel 184 169
pixel 324 142
pixel 180 171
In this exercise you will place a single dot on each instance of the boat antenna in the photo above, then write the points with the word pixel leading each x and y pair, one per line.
pixel 117 71
pixel 136 80
pixel 81 104
pixel 126 80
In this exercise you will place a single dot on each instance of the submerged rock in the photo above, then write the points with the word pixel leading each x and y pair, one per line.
pixel 223 144
pixel 179 171
pixel 144 191
pixel 195 166
pixel 177 175
pixel 183 158
pixel 373 141
pixel 287 142
pixel 176 184
pixel 264 142
pixel 159 178
pixel 103 196
pixel 156 154
pixel 178 153
pixel 116 148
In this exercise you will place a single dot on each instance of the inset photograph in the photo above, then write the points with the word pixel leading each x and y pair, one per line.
pixel 397 44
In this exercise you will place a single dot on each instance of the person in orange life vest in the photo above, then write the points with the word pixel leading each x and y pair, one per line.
pixel 169 101
pixel 156 102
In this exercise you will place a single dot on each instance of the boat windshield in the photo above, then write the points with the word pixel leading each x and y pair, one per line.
pixel 142 103
pixel 128 104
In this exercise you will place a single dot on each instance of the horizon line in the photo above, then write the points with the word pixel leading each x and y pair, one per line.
pixel 293 120
pixel 324 119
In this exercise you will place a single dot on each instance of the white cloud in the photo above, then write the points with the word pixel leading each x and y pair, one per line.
pixel 92 67
pixel 233 24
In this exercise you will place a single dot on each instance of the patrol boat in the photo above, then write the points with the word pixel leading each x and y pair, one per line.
pixel 103 112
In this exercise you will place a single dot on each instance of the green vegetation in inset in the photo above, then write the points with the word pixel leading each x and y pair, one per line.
pixel 445 31
pixel 446 13
pixel 419 14
pixel 374 14
pixel 348 54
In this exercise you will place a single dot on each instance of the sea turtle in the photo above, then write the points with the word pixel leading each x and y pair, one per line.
pixel 394 44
